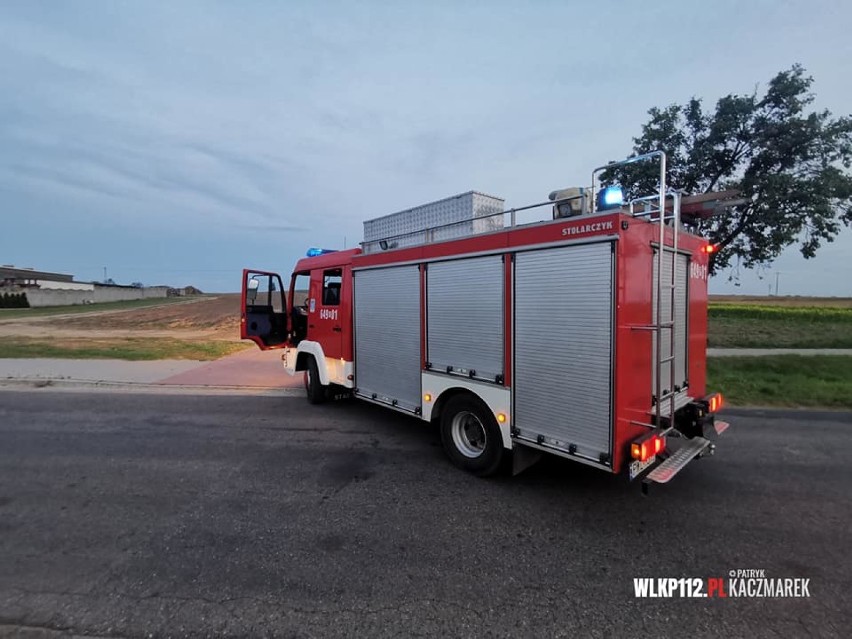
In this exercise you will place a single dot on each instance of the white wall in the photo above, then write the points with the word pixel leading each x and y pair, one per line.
pixel 55 297
pixel 118 294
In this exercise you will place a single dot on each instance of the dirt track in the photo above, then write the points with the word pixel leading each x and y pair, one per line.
pixel 208 318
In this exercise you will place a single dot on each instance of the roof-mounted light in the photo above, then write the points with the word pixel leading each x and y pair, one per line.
pixel 314 252
pixel 610 197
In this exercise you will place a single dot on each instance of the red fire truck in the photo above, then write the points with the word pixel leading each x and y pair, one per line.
pixel 516 338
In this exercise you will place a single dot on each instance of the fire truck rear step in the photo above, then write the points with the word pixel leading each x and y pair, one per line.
pixel 678 461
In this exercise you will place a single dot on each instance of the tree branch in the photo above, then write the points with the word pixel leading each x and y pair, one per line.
pixel 733 162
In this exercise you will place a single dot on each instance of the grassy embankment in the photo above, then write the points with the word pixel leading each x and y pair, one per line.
pixel 782 380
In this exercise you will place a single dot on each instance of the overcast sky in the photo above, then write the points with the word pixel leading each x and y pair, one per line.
pixel 177 142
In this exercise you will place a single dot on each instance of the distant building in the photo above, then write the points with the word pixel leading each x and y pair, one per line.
pixel 59 289
pixel 12 277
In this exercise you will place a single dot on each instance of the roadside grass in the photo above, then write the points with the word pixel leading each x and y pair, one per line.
pixel 17 313
pixel 783 380
pixel 744 325
pixel 120 348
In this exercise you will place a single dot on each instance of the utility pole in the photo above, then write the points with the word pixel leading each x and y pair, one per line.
pixel 777 274
pixel 105 277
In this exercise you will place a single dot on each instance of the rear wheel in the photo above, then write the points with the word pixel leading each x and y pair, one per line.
pixel 313 387
pixel 471 436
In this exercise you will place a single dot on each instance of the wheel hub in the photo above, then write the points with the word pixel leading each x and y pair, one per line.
pixel 468 434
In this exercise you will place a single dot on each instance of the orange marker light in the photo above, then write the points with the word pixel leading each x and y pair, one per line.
pixel 710 248
pixel 427 397
pixel 715 402
pixel 501 417
pixel 646 448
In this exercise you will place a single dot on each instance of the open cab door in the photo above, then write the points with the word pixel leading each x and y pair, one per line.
pixel 263 314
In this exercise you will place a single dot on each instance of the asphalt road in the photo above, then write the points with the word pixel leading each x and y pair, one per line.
pixel 126 515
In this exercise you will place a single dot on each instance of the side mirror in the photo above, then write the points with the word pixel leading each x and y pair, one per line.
pixel 251 289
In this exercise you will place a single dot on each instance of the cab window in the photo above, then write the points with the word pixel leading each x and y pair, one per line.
pixel 331 282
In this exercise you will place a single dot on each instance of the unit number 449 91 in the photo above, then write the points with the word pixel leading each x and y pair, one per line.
pixel 328 313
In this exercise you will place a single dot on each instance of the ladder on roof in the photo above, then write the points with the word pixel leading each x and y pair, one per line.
pixel 653 207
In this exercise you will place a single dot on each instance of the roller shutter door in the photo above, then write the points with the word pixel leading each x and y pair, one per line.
pixel 387 335
pixel 465 318
pixel 563 348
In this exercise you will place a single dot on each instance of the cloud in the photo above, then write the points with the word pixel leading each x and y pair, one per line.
pixel 92 129
pixel 275 228
pixel 300 120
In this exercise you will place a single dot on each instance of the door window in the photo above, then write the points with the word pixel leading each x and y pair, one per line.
pixel 265 291
pixel 264 318
pixel 300 305
pixel 331 282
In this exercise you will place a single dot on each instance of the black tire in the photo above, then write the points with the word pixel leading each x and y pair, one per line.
pixel 471 436
pixel 313 387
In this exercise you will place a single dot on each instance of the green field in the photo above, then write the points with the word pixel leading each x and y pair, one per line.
pixel 750 325
pixel 17 313
pixel 783 380
pixel 120 348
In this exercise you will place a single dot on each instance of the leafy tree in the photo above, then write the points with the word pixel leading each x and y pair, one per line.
pixel 14 300
pixel 791 167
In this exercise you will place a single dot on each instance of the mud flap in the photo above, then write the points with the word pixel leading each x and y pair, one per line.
pixel 523 457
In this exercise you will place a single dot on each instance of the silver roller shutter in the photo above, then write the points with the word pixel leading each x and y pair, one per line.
pixel 465 316
pixel 563 347
pixel 387 334
pixel 681 328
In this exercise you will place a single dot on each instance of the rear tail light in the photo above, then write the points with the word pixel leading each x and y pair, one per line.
pixel 714 402
pixel 645 448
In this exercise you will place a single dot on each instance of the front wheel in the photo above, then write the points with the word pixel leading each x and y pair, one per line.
pixel 471 436
pixel 313 387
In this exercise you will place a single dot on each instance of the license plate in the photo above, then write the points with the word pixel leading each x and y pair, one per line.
pixel 636 467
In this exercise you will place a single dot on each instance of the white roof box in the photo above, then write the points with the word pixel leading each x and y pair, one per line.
pixel 453 217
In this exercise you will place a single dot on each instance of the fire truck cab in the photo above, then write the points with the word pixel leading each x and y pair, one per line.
pixel 583 335
pixel 315 331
